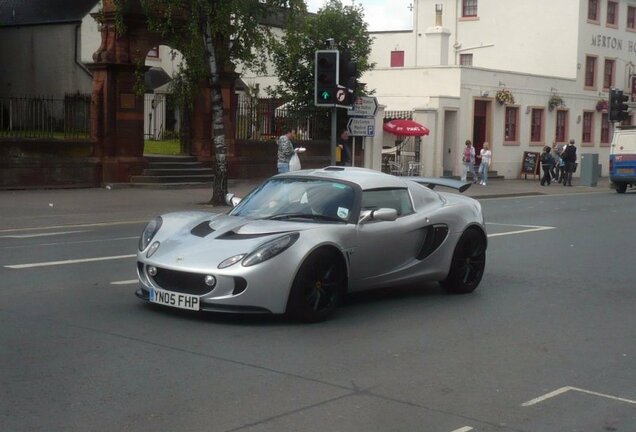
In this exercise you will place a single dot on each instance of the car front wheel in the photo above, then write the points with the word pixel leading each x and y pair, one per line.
pixel 468 264
pixel 621 187
pixel 318 287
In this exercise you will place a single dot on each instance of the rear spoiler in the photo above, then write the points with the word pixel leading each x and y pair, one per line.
pixel 431 182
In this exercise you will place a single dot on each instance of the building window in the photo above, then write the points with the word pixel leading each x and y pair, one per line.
pixel 153 52
pixel 466 59
pixel 592 10
pixel 631 17
pixel 536 125
pixel 588 121
pixel 612 13
pixel 561 126
pixel 590 72
pixel 397 58
pixel 608 74
pixel 511 122
pixel 469 8
pixel 606 129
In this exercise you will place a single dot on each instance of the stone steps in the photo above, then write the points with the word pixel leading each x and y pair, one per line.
pixel 171 172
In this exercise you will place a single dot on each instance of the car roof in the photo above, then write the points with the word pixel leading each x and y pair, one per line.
pixel 365 178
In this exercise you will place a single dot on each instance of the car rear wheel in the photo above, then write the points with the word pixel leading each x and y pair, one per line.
pixel 318 287
pixel 468 264
pixel 621 187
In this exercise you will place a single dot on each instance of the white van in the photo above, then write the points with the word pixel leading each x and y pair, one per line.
pixel 622 166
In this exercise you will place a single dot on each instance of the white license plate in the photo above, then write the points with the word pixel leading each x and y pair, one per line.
pixel 174 299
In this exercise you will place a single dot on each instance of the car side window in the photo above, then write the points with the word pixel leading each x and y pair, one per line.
pixel 398 199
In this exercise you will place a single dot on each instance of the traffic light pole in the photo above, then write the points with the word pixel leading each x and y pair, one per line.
pixel 334 134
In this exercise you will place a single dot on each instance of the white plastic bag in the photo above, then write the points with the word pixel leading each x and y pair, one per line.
pixel 294 163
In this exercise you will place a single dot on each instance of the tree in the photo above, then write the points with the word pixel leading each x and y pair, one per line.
pixel 213 35
pixel 293 54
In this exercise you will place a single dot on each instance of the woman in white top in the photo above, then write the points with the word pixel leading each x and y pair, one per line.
pixel 486 156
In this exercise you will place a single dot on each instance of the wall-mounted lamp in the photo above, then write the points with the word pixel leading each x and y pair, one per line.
pixel 439 7
pixel 528 110
pixel 578 119
pixel 438 14
pixel 502 84
pixel 484 93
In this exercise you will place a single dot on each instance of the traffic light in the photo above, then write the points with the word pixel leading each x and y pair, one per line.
pixel 326 77
pixel 617 106
pixel 347 80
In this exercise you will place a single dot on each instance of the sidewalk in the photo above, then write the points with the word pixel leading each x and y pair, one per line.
pixel 46 208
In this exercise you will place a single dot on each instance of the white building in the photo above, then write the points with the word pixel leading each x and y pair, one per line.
pixel 461 53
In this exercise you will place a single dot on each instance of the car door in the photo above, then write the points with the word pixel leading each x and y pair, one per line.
pixel 385 249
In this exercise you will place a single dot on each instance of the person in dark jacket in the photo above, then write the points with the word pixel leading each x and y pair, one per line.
pixel 569 157
pixel 547 163
pixel 343 145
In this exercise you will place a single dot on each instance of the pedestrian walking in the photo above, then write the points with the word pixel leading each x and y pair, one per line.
pixel 468 161
pixel 547 164
pixel 569 158
pixel 556 155
pixel 343 145
pixel 485 155
pixel 285 150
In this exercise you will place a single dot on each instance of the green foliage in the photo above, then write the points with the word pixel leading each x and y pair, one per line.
pixel 162 147
pixel 293 54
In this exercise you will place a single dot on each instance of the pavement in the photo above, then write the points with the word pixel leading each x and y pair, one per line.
pixel 33 209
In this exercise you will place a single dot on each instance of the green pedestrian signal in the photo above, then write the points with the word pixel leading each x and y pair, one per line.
pixel 326 77
pixel 326 96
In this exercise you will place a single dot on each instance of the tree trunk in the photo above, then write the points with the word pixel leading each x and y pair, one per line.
pixel 218 128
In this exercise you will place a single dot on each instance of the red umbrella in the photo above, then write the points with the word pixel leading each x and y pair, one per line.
pixel 403 127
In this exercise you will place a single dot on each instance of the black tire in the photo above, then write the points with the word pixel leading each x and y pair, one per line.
pixel 318 287
pixel 621 187
pixel 468 264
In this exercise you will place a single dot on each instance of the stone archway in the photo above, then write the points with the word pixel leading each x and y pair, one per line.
pixel 117 110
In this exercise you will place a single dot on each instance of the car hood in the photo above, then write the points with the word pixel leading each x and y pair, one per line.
pixel 206 240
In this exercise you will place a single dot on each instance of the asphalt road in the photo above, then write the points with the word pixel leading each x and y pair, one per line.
pixel 547 343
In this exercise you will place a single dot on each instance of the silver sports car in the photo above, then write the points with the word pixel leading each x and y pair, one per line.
pixel 300 241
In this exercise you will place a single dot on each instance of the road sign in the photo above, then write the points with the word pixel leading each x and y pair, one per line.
pixel 364 106
pixel 361 126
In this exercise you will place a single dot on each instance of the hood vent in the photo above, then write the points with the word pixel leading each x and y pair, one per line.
pixel 232 235
pixel 202 230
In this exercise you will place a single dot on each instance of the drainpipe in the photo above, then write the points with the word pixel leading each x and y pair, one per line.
pixel 77 51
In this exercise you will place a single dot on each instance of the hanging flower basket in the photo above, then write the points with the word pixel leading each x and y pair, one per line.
pixel 601 105
pixel 555 101
pixel 504 96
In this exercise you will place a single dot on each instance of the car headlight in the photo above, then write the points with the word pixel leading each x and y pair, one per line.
pixel 231 261
pixel 270 249
pixel 149 232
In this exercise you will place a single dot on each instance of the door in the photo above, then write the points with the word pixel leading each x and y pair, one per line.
pixel 480 125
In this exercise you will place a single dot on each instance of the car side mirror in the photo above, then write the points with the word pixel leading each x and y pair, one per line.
pixel 381 214
pixel 232 200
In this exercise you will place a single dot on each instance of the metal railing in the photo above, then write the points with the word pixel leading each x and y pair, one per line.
pixel 264 119
pixel 45 117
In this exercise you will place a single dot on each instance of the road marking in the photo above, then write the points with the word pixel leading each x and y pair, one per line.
pixel 529 228
pixel 103 224
pixel 464 429
pixel 25 236
pixel 76 261
pixel 69 242
pixel 126 282
pixel 562 390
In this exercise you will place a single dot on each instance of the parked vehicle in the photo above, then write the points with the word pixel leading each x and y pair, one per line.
pixel 623 158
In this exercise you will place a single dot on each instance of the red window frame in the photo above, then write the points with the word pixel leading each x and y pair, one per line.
pixel 561 126
pixel 511 122
pixel 608 73
pixel 397 58
pixel 612 13
pixel 536 125
pixel 469 8
pixel 606 129
pixel 631 17
pixel 592 10
pixel 588 129
pixel 590 72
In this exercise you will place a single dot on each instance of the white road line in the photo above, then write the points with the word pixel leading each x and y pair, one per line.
pixel 69 242
pixel 521 231
pixel 464 429
pixel 25 236
pixel 126 282
pixel 103 224
pixel 76 261
pixel 562 390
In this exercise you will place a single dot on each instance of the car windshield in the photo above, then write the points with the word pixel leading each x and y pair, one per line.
pixel 298 199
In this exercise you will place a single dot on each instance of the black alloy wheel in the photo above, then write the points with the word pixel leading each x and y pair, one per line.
pixel 318 287
pixel 468 264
